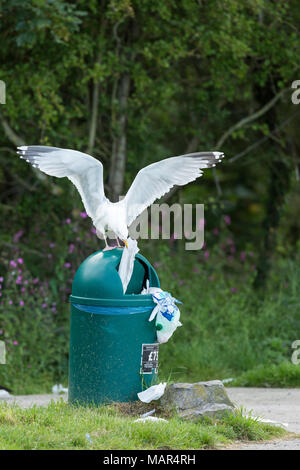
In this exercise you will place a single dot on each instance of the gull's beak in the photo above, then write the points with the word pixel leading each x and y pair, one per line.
pixel 125 243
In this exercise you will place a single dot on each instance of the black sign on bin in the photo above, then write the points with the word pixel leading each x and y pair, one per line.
pixel 149 358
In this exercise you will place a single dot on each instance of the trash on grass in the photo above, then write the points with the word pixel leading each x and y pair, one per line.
pixel 149 413
pixel 127 262
pixel 59 389
pixel 4 394
pixel 149 418
pixel 152 393
pixel 88 437
pixel 227 381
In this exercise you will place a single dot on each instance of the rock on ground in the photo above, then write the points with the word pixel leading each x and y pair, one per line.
pixel 193 401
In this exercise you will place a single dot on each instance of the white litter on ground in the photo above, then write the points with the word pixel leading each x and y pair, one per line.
pixel 4 394
pixel 59 389
pixel 153 419
pixel 152 393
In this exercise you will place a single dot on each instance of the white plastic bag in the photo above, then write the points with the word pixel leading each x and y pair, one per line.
pixel 152 393
pixel 127 262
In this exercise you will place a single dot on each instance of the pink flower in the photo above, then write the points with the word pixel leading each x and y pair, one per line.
pixel 13 263
pixel 44 305
pixel 10 302
pixel 227 219
pixel 35 281
pixel 1 279
pixel 17 236
pixel 19 280
pixel 52 245
pixel 71 248
pixel 21 303
pixel 23 289
pixel 206 254
pixel 67 265
pixel 1 332
pixel 68 221
pixel 15 343
pixel 233 289
pixel 93 230
pixel 243 256
pixel 83 215
pixel 20 260
pixel 216 231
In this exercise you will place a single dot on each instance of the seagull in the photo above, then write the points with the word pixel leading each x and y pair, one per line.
pixel 86 173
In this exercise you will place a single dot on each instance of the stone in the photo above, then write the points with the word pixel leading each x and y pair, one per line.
pixel 194 401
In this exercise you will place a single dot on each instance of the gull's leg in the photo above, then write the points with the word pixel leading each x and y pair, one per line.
pixel 107 247
pixel 118 243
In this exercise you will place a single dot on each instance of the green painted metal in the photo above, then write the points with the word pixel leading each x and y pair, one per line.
pixel 106 347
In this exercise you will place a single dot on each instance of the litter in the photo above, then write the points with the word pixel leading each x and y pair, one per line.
pixel 4 394
pixel 152 393
pixel 150 418
pixel 88 437
pixel 166 312
pixel 227 381
pixel 127 262
pixel 149 413
pixel 59 389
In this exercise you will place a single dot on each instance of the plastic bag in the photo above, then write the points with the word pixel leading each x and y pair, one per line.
pixel 152 393
pixel 127 262
pixel 166 312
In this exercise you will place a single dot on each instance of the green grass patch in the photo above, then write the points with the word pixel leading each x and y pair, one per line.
pixel 285 374
pixel 61 426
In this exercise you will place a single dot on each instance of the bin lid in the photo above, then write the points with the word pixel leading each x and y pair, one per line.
pixel 97 281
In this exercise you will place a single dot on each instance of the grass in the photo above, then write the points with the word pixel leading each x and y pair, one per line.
pixel 281 375
pixel 61 426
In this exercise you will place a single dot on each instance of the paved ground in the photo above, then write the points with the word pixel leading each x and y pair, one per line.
pixel 277 404
pixel 281 405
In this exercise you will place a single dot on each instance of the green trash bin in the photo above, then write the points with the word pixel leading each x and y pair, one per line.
pixel 113 348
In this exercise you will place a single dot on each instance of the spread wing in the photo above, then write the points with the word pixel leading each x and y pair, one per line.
pixel 85 172
pixel 155 180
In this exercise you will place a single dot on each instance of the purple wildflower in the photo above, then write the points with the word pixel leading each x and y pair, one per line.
pixel 17 236
pixel 67 265
pixel 227 219
pixel 68 221
pixel 216 231
pixel 206 254
pixel 10 302
pixel 71 248
pixel 20 260
pixel 44 305
pixel 243 256
pixel 13 263
pixel 15 343
pixel 83 214
pixel 1 279
pixel 21 303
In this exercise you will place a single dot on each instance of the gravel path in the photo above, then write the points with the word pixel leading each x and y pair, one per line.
pixel 281 405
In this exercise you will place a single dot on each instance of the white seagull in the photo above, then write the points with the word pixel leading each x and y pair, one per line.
pixel 86 173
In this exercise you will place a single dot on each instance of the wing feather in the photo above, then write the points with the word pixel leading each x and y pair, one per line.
pixel 84 171
pixel 155 180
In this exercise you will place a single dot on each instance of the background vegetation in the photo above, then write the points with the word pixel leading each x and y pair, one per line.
pixel 131 83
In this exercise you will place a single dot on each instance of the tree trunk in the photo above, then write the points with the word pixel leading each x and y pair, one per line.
pixel 119 147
